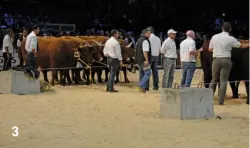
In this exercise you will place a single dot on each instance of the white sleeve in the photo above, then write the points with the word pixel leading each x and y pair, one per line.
pixel 6 42
pixel 18 44
pixel 105 48
pixel 118 51
pixel 211 44
pixel 164 47
pixel 33 43
pixel 192 47
pixel 145 46
pixel 235 43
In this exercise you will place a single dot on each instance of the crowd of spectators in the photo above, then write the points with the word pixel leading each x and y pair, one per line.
pixel 99 17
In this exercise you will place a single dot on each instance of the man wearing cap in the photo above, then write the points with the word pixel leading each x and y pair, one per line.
pixel 188 55
pixel 155 43
pixel 169 61
pixel 143 59
pixel 221 45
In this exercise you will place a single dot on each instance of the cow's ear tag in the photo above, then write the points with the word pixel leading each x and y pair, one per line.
pixel 76 54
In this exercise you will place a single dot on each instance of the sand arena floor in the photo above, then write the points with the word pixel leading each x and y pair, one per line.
pixel 89 117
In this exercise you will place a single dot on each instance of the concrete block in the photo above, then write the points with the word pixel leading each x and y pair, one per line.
pixel 187 103
pixel 17 82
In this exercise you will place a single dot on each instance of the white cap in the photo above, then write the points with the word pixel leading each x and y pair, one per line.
pixel 171 31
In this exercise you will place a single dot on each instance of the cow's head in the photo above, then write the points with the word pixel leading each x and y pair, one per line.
pixel 98 51
pixel 85 53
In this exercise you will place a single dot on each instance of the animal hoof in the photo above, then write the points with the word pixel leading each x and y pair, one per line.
pixel 127 81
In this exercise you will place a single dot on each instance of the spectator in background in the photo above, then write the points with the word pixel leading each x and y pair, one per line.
pixel 61 33
pixel 18 45
pixel 8 48
pixel 129 39
pixel 8 20
pixel 67 33
pixel 155 43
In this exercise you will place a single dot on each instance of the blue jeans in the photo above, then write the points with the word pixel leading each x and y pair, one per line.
pixel 144 76
pixel 113 65
pixel 188 69
pixel 154 68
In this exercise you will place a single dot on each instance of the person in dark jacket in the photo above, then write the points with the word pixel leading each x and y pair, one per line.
pixel 143 59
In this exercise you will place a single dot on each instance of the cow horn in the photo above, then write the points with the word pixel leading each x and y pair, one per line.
pixel 81 46
pixel 97 43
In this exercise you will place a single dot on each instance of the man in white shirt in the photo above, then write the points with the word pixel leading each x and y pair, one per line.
pixel 112 50
pixel 221 45
pixel 143 58
pixel 155 43
pixel 31 47
pixel 188 55
pixel 169 61
pixel 8 48
pixel 18 46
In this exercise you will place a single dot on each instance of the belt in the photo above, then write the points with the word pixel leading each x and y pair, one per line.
pixel 171 58
pixel 222 57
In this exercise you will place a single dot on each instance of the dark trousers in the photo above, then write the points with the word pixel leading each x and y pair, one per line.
pixel 31 60
pixel 7 61
pixel 154 68
pixel 113 65
pixel 20 58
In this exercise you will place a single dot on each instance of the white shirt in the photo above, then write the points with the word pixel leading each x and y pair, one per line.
pixel 155 43
pixel 18 44
pixel 145 46
pixel 222 44
pixel 112 48
pixel 185 47
pixel 31 42
pixel 7 42
pixel 169 48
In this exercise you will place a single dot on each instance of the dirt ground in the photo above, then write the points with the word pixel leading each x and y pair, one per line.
pixel 89 117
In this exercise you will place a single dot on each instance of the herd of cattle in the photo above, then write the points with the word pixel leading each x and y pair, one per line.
pixel 63 54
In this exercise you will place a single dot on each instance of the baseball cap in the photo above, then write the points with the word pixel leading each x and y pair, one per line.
pixel 171 31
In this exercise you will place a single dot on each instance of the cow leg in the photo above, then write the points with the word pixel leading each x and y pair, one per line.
pixel 45 76
pixel 125 75
pixel 106 74
pixel 93 71
pixel 234 88
pixel 84 74
pixel 56 78
pixel 67 75
pixel 54 73
pixel 62 77
pixel 87 73
pixel 117 76
pixel 247 90
pixel 99 75
pixel 76 76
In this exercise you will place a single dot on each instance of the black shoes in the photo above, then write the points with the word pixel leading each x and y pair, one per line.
pixel 112 90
